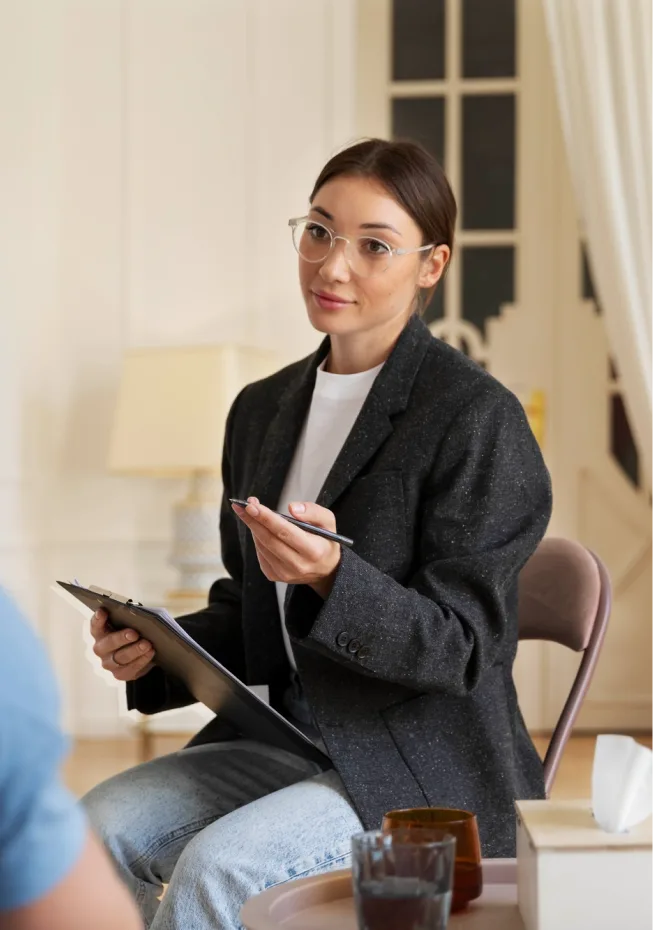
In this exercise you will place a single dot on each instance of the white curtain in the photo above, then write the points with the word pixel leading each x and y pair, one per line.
pixel 601 53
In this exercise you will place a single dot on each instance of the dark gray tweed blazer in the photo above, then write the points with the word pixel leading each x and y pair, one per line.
pixel 408 663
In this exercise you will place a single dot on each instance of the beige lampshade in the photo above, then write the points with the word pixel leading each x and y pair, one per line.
pixel 173 403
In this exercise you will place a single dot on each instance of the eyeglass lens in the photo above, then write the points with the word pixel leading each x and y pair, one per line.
pixel 365 255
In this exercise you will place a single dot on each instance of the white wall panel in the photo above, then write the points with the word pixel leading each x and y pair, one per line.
pixel 187 267
pixel 151 153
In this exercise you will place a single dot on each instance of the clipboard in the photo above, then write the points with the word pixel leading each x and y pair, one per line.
pixel 208 681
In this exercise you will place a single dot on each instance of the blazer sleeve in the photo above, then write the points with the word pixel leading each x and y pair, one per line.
pixel 484 509
pixel 218 626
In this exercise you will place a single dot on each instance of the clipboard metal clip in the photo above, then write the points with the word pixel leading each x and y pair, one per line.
pixel 112 594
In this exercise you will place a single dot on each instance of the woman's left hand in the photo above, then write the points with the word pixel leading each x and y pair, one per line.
pixel 286 552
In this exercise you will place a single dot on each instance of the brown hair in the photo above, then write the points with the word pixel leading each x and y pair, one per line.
pixel 411 175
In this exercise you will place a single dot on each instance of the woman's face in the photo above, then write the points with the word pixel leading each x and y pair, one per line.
pixel 342 302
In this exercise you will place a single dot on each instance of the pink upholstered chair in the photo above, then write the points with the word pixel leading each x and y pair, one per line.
pixel 565 597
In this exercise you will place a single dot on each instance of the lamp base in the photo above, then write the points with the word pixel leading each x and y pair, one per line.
pixel 196 538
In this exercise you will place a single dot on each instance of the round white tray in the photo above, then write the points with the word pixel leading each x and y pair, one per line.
pixel 325 902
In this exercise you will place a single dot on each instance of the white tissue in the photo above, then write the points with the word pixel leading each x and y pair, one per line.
pixel 621 783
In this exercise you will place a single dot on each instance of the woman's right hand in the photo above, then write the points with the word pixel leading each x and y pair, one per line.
pixel 123 652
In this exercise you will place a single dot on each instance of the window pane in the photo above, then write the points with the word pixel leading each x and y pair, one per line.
pixel 417 40
pixel 488 281
pixel 488 200
pixel 488 38
pixel 422 119
pixel 623 445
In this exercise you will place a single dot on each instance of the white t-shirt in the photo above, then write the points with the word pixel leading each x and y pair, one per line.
pixel 336 403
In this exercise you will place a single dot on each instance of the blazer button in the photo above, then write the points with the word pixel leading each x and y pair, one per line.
pixel 342 639
pixel 354 646
pixel 363 652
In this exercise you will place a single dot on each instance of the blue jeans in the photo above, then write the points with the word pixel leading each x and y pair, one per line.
pixel 218 824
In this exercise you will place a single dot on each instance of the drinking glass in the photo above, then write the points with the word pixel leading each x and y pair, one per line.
pixel 403 879
pixel 468 874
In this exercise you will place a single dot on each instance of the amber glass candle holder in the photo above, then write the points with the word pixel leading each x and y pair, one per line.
pixel 468 873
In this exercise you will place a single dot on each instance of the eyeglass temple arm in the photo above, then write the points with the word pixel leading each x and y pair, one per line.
pixel 422 248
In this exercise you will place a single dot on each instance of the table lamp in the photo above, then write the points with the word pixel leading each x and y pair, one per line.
pixel 169 421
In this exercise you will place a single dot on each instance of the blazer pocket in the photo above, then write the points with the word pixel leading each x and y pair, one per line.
pixel 372 513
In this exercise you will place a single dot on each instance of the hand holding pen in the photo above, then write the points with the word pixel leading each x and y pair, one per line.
pixel 302 548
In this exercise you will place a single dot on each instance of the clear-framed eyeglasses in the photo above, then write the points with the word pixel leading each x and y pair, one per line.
pixel 365 255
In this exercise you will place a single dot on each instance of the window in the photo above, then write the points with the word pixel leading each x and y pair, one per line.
pixel 454 88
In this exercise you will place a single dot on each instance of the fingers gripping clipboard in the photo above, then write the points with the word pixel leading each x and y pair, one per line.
pixel 208 681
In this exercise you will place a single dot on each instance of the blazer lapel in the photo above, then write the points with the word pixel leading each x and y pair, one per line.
pixel 266 653
pixel 368 434
pixel 389 396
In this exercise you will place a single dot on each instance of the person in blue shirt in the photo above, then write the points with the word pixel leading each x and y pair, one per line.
pixel 54 874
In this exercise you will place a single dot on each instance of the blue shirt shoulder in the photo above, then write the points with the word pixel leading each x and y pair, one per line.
pixel 42 827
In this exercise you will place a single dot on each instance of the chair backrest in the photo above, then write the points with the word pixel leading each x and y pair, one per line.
pixel 565 598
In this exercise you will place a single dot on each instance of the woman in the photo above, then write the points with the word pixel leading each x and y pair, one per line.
pixel 397 655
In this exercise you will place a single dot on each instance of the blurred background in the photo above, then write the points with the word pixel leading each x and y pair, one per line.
pixel 151 154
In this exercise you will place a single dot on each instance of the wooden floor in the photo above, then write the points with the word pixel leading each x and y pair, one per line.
pixel 91 761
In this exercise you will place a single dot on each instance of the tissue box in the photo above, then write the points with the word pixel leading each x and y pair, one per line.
pixel 572 875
